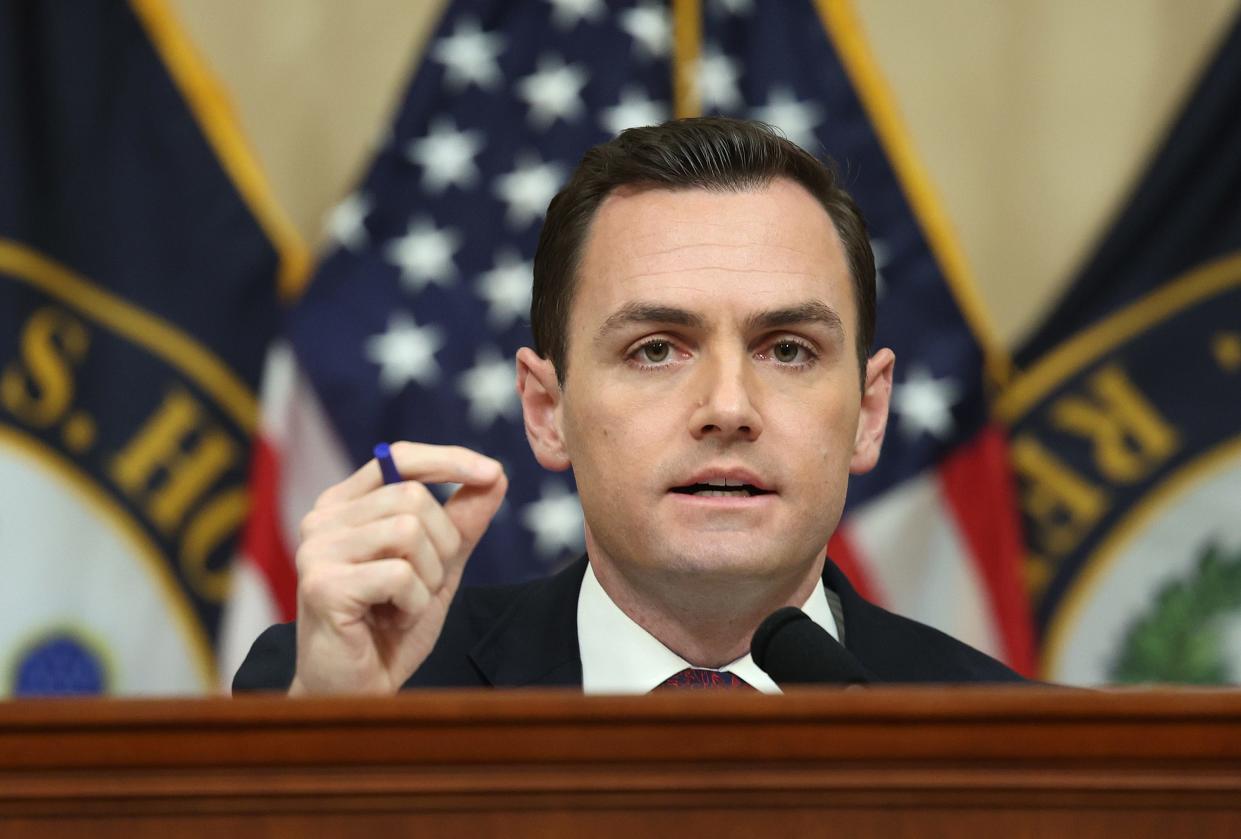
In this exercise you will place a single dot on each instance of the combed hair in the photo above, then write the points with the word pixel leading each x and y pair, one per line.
pixel 712 153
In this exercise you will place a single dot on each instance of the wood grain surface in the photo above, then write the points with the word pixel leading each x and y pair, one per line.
pixel 891 762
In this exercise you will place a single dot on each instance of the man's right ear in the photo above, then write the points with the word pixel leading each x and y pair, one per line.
pixel 542 409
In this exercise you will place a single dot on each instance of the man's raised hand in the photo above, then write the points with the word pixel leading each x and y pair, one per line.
pixel 379 564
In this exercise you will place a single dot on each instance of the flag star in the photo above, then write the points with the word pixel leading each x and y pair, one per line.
pixel 506 288
pixel 796 119
pixel 924 404
pixel 446 155
pixel 634 108
pixel 880 249
pixel 555 520
pixel 346 222
pixel 490 386
pixel 567 14
pixel 717 82
pixel 424 255
pixel 405 353
pixel 528 189
pixel 469 56
pixel 553 92
pixel 651 29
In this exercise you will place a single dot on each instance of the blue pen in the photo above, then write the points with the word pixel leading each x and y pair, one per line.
pixel 387 466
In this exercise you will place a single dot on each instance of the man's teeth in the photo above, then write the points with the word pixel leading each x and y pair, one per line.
pixel 721 488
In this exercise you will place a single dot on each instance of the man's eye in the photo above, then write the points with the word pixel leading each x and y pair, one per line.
pixel 787 352
pixel 655 352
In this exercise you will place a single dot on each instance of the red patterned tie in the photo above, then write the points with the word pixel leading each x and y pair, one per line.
pixel 697 679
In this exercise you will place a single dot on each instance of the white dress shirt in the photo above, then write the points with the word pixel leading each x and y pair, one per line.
pixel 618 656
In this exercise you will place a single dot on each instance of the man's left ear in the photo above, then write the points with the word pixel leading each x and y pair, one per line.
pixel 540 406
pixel 873 416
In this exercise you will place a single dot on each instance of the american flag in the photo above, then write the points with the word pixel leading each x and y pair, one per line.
pixel 409 326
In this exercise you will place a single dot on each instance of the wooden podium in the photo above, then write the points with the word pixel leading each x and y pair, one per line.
pixel 1007 762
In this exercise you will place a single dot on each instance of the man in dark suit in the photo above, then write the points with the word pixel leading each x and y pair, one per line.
pixel 703 311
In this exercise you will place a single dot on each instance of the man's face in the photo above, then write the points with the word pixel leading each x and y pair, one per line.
pixel 711 342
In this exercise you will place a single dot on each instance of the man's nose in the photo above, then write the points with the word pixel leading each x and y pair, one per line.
pixel 726 391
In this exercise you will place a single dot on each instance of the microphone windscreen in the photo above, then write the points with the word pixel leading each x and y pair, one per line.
pixel 793 649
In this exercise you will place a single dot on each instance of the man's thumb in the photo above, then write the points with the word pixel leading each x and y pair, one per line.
pixel 472 508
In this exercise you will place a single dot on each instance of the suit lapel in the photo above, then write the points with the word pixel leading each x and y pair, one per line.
pixel 868 631
pixel 534 641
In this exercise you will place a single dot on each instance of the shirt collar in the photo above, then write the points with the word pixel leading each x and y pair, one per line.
pixel 619 656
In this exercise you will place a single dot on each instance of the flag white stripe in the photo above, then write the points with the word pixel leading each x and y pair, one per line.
pixel 310 458
pixel 914 549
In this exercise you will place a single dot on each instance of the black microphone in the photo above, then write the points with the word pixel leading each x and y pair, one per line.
pixel 793 649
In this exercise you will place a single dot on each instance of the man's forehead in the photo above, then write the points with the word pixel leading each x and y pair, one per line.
pixel 652 220
pixel 748 243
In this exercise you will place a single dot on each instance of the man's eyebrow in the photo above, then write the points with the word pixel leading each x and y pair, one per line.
pixel 632 313
pixel 812 311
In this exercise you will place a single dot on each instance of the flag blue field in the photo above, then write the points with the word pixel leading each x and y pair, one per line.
pixel 1126 423
pixel 139 268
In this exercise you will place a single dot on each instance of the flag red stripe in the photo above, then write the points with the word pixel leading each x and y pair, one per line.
pixel 263 539
pixel 979 492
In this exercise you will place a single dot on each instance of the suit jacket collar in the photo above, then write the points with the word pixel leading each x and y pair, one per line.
pixel 867 631
pixel 534 641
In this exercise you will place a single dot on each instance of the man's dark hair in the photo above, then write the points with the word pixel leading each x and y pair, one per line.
pixel 712 153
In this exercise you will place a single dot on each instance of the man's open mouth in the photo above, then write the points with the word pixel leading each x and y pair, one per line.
pixel 721 489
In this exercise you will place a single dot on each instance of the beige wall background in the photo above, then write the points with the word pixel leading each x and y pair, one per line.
pixel 1032 116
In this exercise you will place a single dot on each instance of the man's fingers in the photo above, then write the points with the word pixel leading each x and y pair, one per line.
pixel 418 462
pixel 385 581
pixel 348 590
pixel 405 498
pixel 471 509
pixel 401 536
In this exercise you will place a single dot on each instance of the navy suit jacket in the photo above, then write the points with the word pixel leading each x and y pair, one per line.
pixel 526 634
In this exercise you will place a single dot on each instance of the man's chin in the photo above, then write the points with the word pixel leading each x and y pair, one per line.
pixel 736 559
